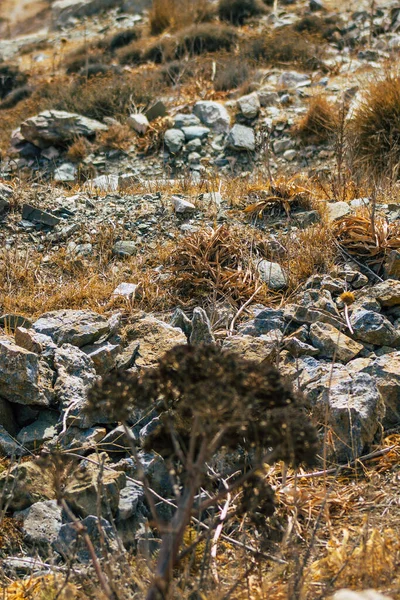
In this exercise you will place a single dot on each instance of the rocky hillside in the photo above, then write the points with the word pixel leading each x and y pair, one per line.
pixel 199 299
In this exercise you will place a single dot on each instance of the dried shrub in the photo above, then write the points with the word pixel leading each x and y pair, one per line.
pixel 79 150
pixel 177 72
pixel 370 239
pixel 177 14
pixel 238 11
pixel 153 140
pixel 81 58
pixel 374 129
pixel 120 39
pixel 232 74
pixel 285 46
pixel 206 37
pixel 280 196
pixel 320 122
pixel 325 27
pixel 131 54
pixel 117 137
pixel 211 263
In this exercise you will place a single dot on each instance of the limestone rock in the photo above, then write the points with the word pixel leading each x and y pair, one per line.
pixel 75 376
pixel 7 419
pixel 201 328
pixel 57 127
pixel 42 430
pixel 254 348
pixel 26 484
pixel 241 139
pixel 70 543
pixel 155 338
pixel 385 370
pixel 332 343
pixel 76 327
pixel 387 293
pixel 272 274
pixel 41 522
pixel 249 105
pixel 104 355
pixel 174 140
pixel 337 210
pixel 82 490
pixel 24 379
pixel 213 115
pixel 374 328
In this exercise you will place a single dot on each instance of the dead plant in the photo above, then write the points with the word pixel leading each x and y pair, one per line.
pixel 281 195
pixel 320 122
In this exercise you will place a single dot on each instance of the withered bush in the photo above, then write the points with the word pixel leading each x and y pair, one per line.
pixel 281 195
pixel 208 400
pixel 325 27
pixel 120 39
pixel 374 129
pixel 79 150
pixel 117 137
pixel 206 37
pixel 367 238
pixel 285 46
pixel 232 74
pixel 237 11
pixel 15 96
pixel 177 14
pixel 319 123
pixel 81 58
pixel 212 263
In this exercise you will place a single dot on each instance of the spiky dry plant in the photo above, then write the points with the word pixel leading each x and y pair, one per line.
pixel 374 128
pixel 153 140
pixel 281 195
pixel 206 401
pixel 367 238
pixel 319 123
pixel 215 262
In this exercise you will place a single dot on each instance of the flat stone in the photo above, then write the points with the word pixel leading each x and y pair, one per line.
pixel 272 274
pixel 213 115
pixel 293 79
pixel 337 210
pixel 104 355
pixel 36 215
pixel 332 343
pixel 258 349
pixel 70 543
pixel 41 522
pixel 44 429
pixel 24 379
pixel 155 338
pixel 83 488
pixel 194 132
pixel 385 371
pixel 181 205
pixel 56 127
pixel 126 290
pixel 76 327
pixel 182 120
pixel 65 172
pixel 125 248
pixel 374 328
pixel 241 139
pixel 158 109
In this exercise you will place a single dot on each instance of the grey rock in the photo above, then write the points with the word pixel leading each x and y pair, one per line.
pixel 25 484
pixel 70 543
pixel 194 132
pixel 36 215
pixel 126 290
pixel 290 155
pixel 374 328
pixel 281 146
pixel 104 355
pixel 155 338
pixel 103 183
pixel 213 115
pixel 298 348
pixel 83 487
pixel 41 522
pixel 138 122
pixel 249 105
pixel 158 109
pixel 157 473
pixel 333 343
pixel 293 79
pixel 182 120
pixel 201 328
pixel 24 378
pixel 56 127
pixel 386 293
pixel 7 419
pixel 346 594
pixel 65 172
pixel 8 446
pixel 268 98
pixel 75 376
pixel 264 347
pixel 42 430
pixel 36 342
pixel 316 5
pixel 265 321
pixel 179 319
pixel 241 139
pixel 303 314
pixel 272 274
pixel 125 248
pixel 385 371
pixel 77 439
pixel 130 499
pixel 337 210
pixel 174 140
pixel 181 205
pixel 76 327
pixel 116 441
pixel 354 409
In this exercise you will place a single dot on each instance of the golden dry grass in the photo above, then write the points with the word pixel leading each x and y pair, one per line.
pixel 319 123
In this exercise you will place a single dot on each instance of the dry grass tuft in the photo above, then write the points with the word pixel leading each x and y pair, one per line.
pixel 231 74
pixel 215 263
pixel 319 123
pixel 79 150
pixel 117 137
pixel 374 129
pixel 367 238
pixel 177 14
pixel 285 46
pixel 281 195
pixel 238 11
pixel 153 140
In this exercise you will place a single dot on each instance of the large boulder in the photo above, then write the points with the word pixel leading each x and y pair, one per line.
pixel 374 328
pixel 41 522
pixel 58 127
pixel 332 343
pixel 155 338
pixel 213 114
pixel 76 327
pixel 241 138
pixel 24 378
pixel 385 371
